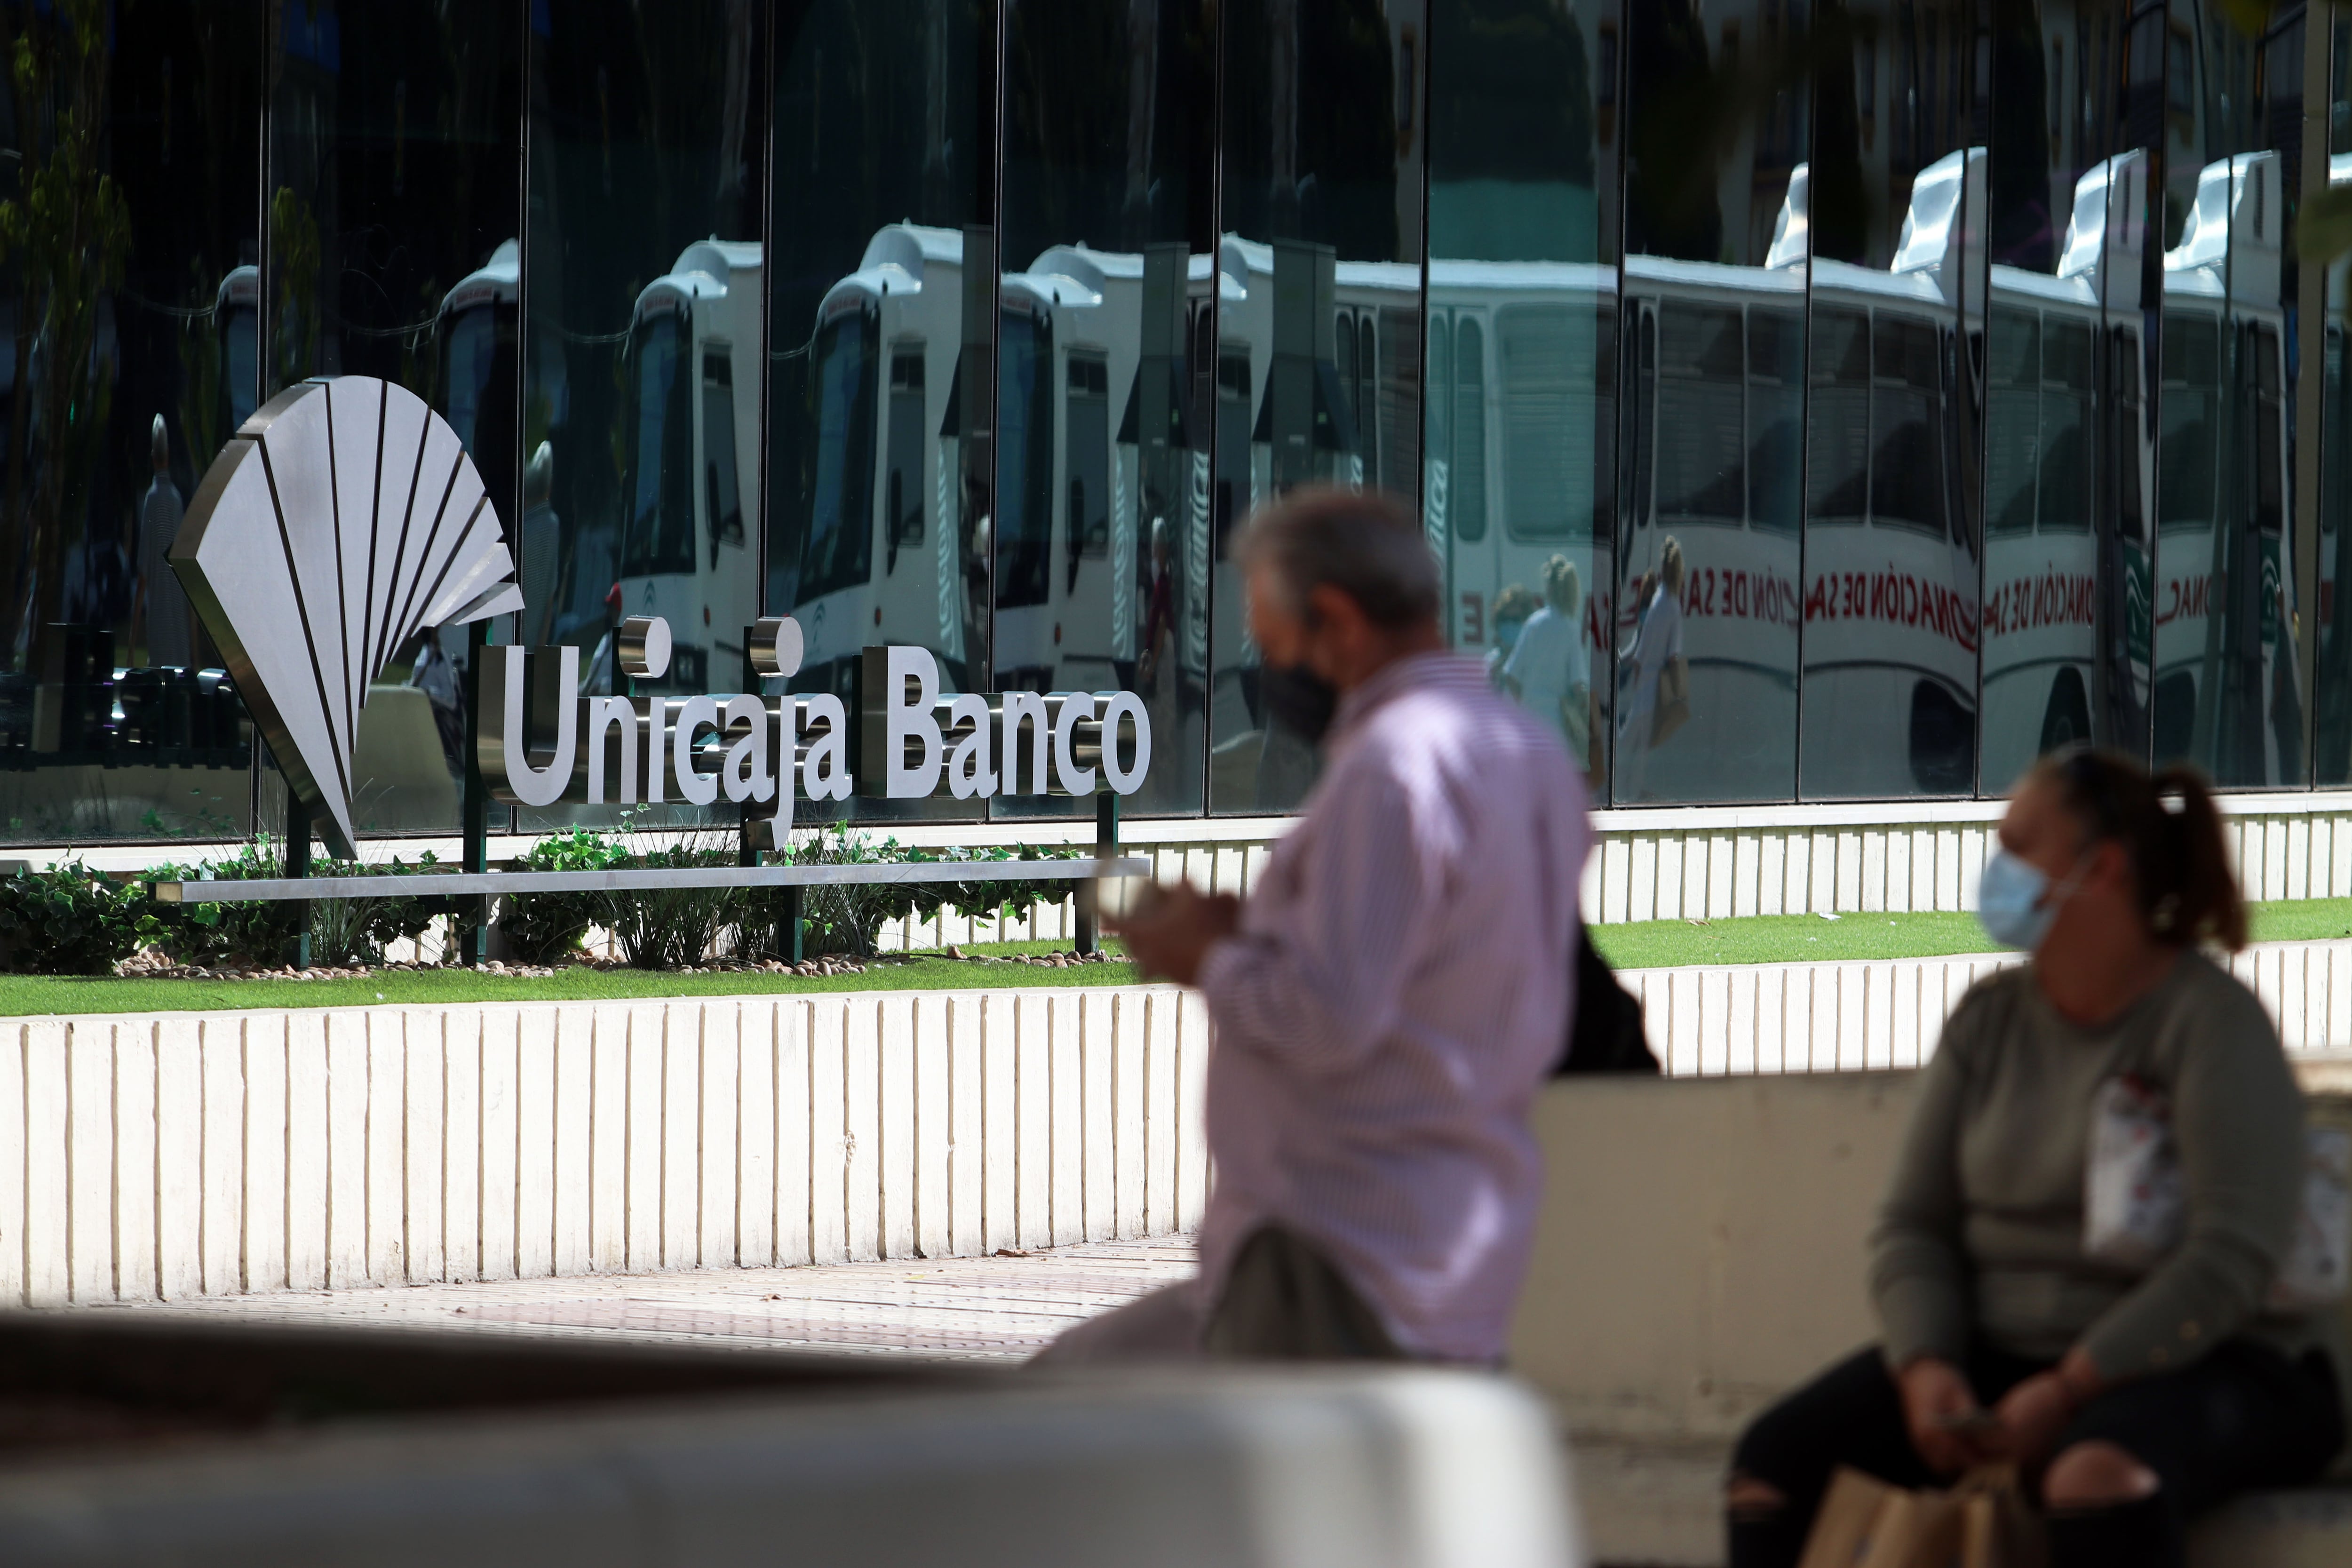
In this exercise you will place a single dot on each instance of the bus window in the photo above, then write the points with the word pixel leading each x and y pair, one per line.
pixel 660 460
pixel 1436 432
pixel 1087 427
pixel 1702 466
pixel 1367 433
pixel 1025 461
pixel 1343 349
pixel 723 491
pixel 1906 465
pixel 1776 417
pixel 2124 424
pixel 1469 474
pixel 1396 396
pixel 1837 475
pixel 902 524
pixel 840 549
pixel 1645 418
pixel 2188 409
pixel 2065 442
pixel 1545 398
pixel 2269 434
pixel 2012 419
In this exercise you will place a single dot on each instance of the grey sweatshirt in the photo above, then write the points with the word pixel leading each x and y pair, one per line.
pixel 1983 1230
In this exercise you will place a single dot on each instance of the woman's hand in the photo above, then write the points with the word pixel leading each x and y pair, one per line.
pixel 1948 1428
pixel 2036 1411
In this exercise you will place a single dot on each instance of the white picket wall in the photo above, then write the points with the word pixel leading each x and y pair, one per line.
pixel 205 1155
pixel 1708 1020
pixel 1726 862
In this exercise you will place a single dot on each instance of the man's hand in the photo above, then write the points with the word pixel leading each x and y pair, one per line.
pixel 1947 1427
pixel 1171 928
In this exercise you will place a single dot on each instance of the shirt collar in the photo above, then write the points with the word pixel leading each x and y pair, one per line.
pixel 1416 672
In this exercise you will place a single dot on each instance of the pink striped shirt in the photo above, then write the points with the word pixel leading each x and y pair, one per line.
pixel 1399 989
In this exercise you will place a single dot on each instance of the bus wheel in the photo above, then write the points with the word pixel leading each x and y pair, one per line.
pixel 2068 717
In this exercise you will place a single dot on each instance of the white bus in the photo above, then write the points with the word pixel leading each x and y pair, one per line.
pixel 689 485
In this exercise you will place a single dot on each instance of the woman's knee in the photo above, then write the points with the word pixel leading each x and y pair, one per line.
pixel 2096 1474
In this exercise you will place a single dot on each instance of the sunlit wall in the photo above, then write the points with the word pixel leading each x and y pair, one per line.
pixel 1808 399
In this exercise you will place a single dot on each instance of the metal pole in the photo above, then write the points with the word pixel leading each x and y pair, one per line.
pixel 472 919
pixel 298 866
pixel 1090 895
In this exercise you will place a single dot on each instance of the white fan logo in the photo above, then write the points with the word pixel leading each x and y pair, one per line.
pixel 341 520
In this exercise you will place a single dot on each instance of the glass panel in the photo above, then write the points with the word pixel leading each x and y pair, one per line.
pixel 1102 476
pixel 393 192
pixel 1706 565
pixel 2229 690
pixel 1891 525
pixel 1322 220
pixel 2332 746
pixel 130 301
pixel 648 137
pixel 882 334
pixel 1521 300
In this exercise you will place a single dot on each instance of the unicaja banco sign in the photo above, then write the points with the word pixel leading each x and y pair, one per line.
pixel 344 517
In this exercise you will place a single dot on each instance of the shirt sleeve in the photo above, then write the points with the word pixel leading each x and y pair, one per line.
pixel 2237 1121
pixel 1321 982
pixel 1918 1270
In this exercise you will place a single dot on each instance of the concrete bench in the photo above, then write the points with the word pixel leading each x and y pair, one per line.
pixel 1701 1252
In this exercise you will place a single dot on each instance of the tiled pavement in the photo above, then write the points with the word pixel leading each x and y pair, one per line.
pixel 981 1307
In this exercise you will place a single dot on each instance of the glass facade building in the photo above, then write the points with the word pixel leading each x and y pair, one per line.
pixel 1925 382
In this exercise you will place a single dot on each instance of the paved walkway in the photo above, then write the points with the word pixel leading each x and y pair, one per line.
pixel 1002 1308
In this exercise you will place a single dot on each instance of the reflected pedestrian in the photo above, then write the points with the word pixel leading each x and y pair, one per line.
pixel 1550 671
pixel 1653 678
pixel 162 605
pixel 1393 993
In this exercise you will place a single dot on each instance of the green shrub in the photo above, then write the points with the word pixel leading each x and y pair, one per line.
pixel 847 917
pixel 671 927
pixel 343 930
pixel 65 920
pixel 543 927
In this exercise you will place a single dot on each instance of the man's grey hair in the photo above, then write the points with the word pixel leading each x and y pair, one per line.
pixel 1364 544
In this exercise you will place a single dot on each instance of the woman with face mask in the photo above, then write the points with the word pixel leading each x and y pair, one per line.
pixel 2133 1399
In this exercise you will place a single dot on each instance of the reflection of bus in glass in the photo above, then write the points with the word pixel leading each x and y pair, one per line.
pixel 236 320
pixel 2226 681
pixel 689 482
pixel 881 559
pixel 1064 555
pixel 476 327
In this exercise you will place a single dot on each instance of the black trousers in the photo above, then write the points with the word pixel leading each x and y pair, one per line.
pixel 2244 1417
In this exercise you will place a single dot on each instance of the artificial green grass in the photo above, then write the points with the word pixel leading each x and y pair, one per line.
pixel 1810 938
pixel 1645 944
pixel 23 995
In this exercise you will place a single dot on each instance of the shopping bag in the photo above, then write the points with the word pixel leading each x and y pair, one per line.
pixel 2135 1207
pixel 1983 1522
pixel 1674 700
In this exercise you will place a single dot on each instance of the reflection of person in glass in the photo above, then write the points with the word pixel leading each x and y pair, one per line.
pixel 1657 647
pixel 1159 614
pixel 437 676
pixel 1550 671
pixel 1512 606
pixel 162 608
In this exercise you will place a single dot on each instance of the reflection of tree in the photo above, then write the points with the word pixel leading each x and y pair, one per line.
pixel 1691 111
pixel 68 232
pixel 1310 144
pixel 1510 93
pixel 294 285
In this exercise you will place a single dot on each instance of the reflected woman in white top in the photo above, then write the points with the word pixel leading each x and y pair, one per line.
pixel 1657 642
pixel 1550 669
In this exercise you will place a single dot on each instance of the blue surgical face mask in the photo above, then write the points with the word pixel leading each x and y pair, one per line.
pixel 2016 902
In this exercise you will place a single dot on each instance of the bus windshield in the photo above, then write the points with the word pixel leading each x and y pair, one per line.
pixel 1024 462
pixel 840 549
pixel 659 536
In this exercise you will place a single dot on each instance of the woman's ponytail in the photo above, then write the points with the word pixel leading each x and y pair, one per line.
pixel 2200 900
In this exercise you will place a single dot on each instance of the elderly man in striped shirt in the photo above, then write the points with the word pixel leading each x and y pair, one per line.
pixel 1392 994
